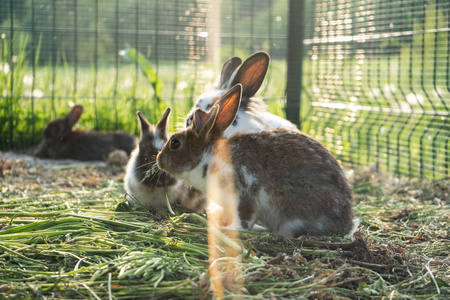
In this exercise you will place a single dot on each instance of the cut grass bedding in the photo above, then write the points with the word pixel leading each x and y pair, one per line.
pixel 66 233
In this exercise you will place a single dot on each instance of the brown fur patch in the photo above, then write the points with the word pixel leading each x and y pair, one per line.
pixel 200 205
pixel 191 193
pixel 245 208
pixel 192 198
pixel 244 224
pixel 178 201
pixel 302 179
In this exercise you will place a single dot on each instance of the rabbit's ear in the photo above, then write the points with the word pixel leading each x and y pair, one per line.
pixel 227 70
pixel 220 116
pixel 163 125
pixel 252 73
pixel 204 121
pixel 143 124
pixel 228 108
pixel 74 114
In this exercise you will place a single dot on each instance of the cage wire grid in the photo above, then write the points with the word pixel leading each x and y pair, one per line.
pixel 376 74
pixel 58 53
pixel 377 81
pixel 75 52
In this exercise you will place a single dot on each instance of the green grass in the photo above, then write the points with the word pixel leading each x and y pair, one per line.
pixel 65 233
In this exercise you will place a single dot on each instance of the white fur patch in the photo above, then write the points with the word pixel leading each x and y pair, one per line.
pixel 263 201
pixel 147 196
pixel 129 176
pixel 158 142
pixel 206 99
pixel 204 102
pixel 249 178
pixel 274 121
pixel 321 223
pixel 356 223
pixel 257 227
pixel 195 176
pixel 257 121
pixel 246 122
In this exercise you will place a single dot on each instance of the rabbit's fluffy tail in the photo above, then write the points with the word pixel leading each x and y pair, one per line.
pixel 356 223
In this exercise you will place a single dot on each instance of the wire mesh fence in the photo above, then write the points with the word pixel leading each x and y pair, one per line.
pixel 377 78
pixel 117 57
pixel 376 74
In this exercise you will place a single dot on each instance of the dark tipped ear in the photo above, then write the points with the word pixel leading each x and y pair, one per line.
pixel 143 124
pixel 74 114
pixel 228 69
pixel 204 121
pixel 228 108
pixel 163 125
pixel 252 73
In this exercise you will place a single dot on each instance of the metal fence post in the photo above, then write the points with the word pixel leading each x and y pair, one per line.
pixel 295 61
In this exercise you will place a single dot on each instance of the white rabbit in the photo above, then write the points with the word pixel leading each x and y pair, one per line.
pixel 145 183
pixel 283 178
pixel 252 115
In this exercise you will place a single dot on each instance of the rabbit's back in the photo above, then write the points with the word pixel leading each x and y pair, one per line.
pixel 292 182
pixel 124 141
pixel 91 145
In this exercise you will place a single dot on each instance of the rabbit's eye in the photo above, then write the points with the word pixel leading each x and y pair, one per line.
pixel 174 144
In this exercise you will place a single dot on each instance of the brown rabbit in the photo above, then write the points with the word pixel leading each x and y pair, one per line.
pixel 62 141
pixel 283 178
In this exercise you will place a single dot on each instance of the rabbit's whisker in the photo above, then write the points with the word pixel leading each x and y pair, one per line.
pixel 150 173
pixel 147 164
pixel 159 177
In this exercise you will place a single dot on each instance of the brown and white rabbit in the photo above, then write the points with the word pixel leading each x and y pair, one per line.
pixel 252 115
pixel 283 178
pixel 62 141
pixel 145 183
